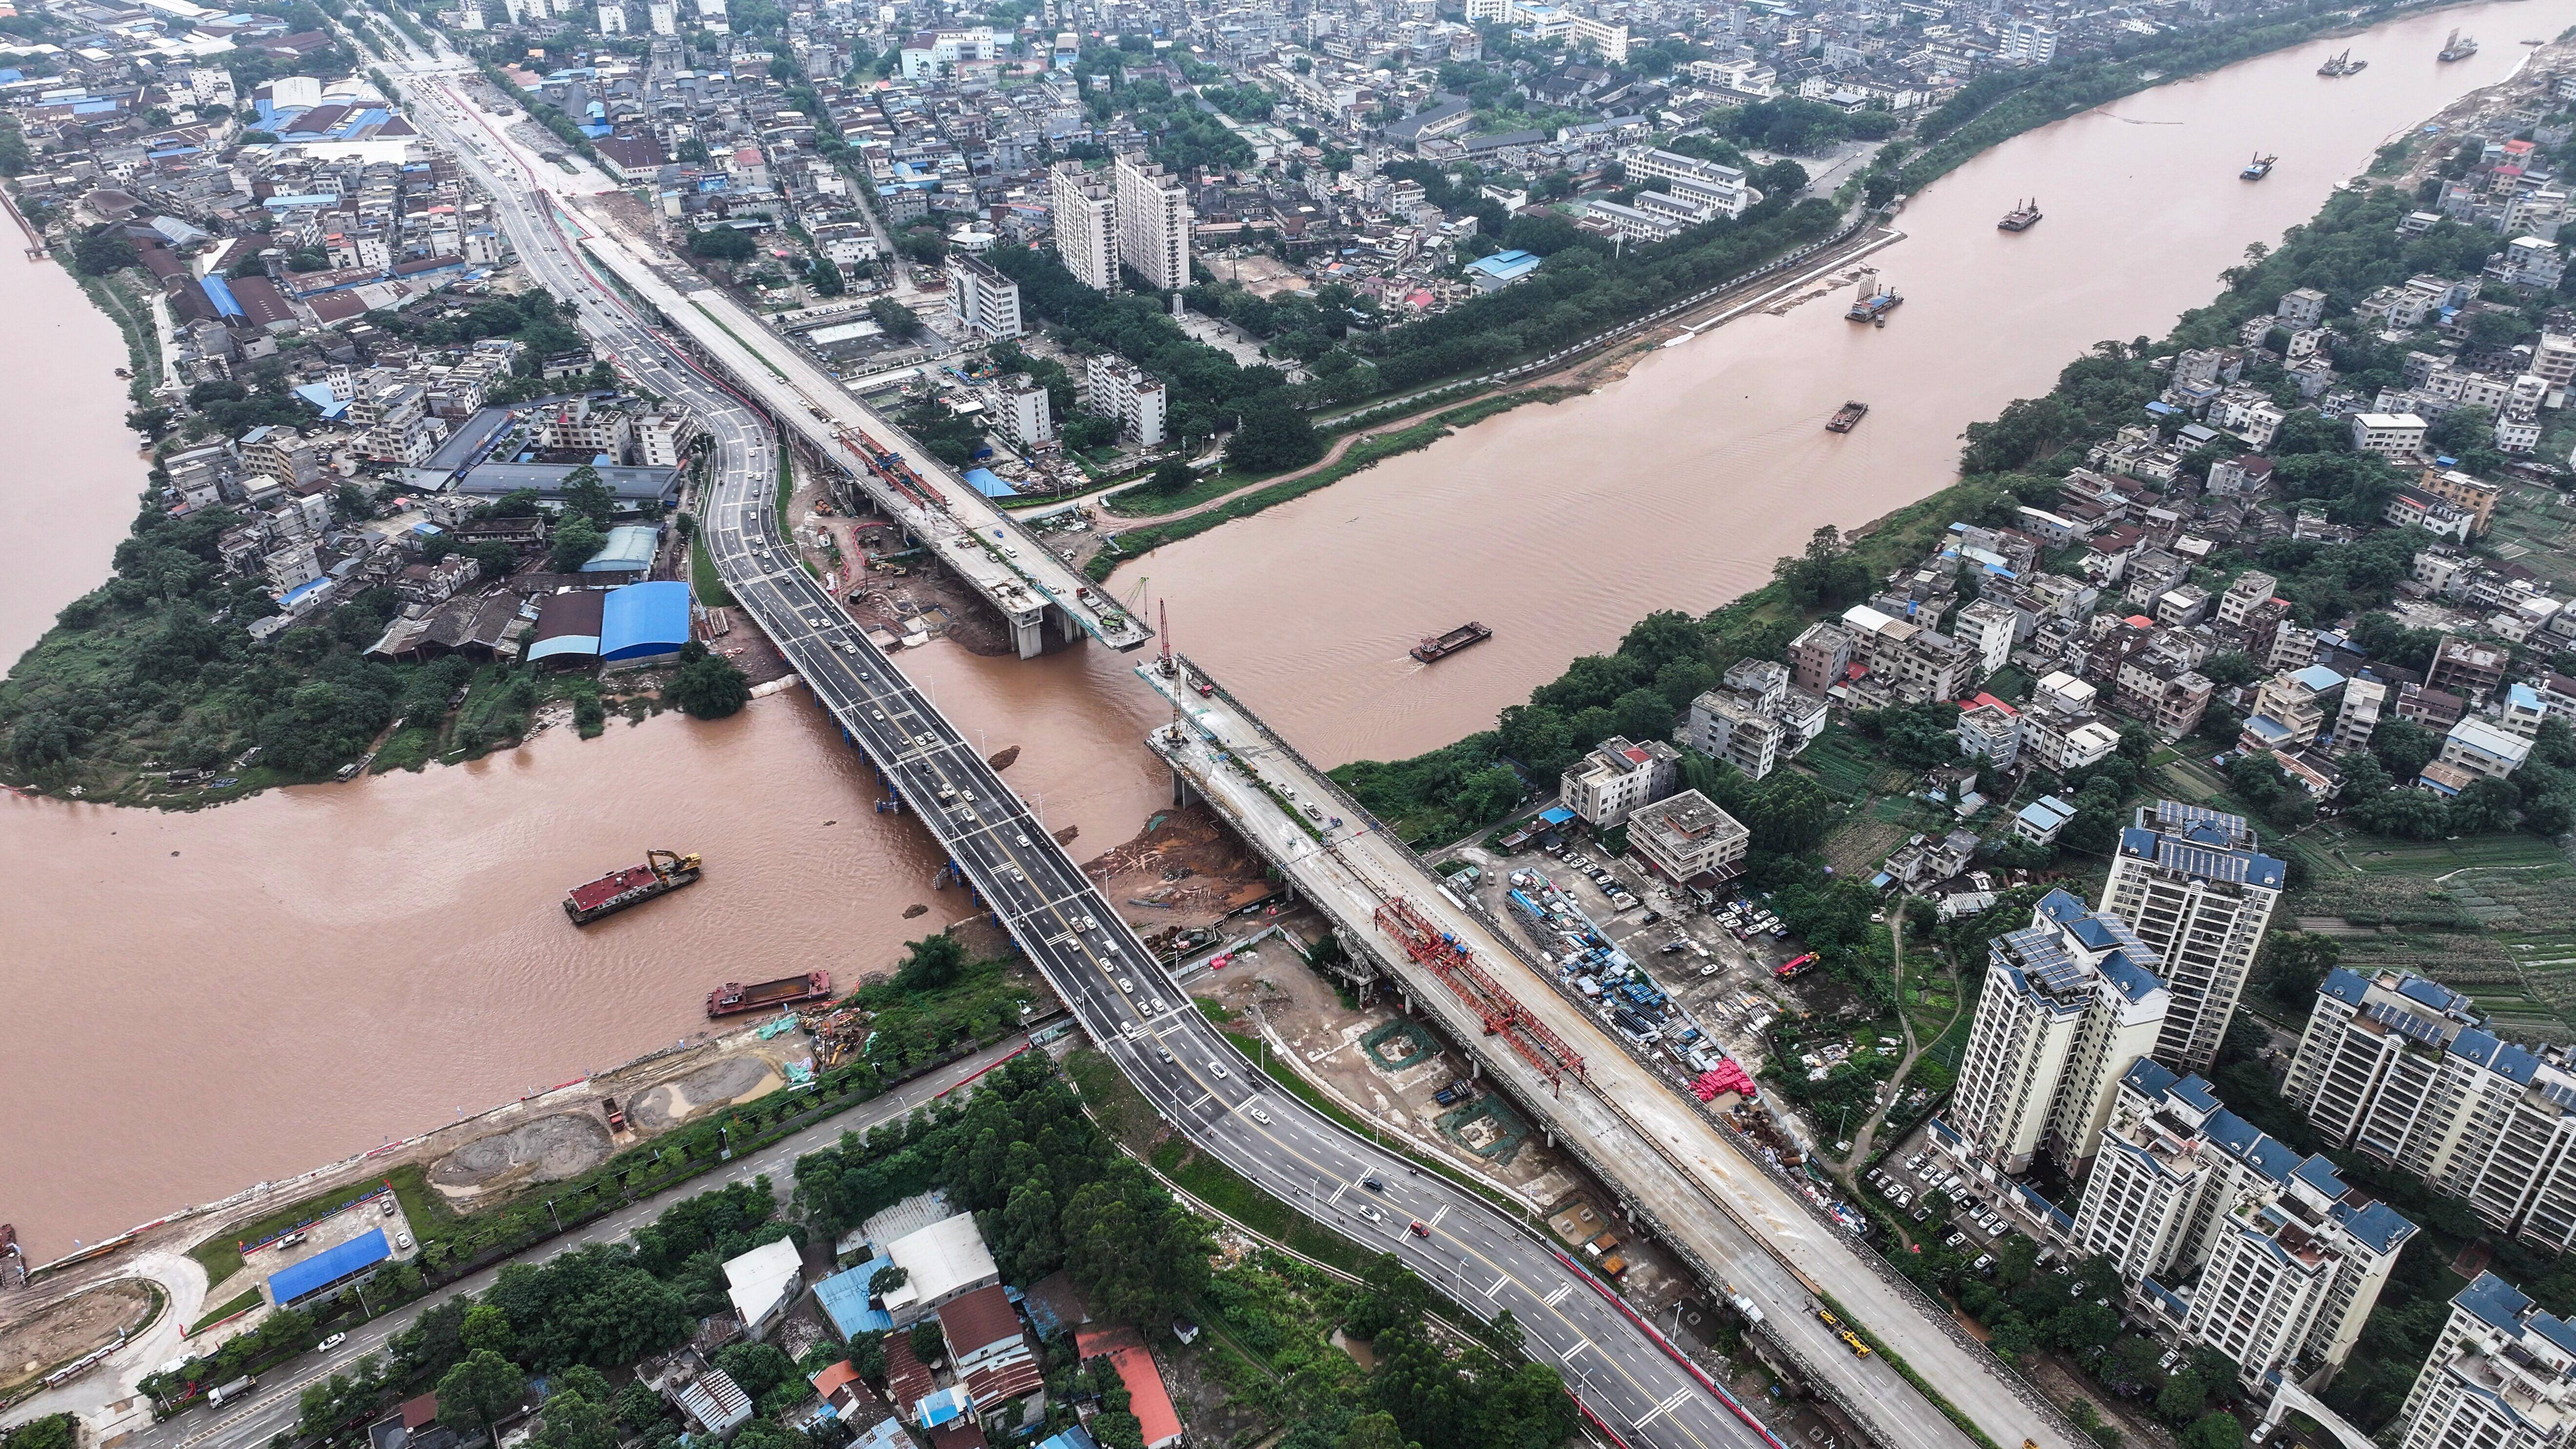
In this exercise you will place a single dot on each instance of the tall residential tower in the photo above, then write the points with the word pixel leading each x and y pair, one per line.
pixel 2191 884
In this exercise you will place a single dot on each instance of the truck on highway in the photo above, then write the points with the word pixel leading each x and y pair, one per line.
pixel 222 1394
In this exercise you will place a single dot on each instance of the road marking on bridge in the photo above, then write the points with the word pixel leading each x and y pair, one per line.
pixel 1497 1288
pixel 1556 1297
pixel 1436 1217
pixel 1567 1355
pixel 1658 1411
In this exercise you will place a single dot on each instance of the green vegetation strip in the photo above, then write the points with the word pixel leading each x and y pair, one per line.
pixel 1365 454
pixel 703 576
pixel 1921 1384
pixel 786 483
pixel 756 354
pixel 1225 1190
pixel 1296 1084
pixel 241 1304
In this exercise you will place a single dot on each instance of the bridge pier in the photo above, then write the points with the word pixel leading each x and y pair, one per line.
pixel 1028 632
pixel 1182 795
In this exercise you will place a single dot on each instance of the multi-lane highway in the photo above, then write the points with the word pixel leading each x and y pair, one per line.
pixel 1624 1375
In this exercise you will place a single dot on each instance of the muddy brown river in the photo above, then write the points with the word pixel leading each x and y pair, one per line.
pixel 198 1002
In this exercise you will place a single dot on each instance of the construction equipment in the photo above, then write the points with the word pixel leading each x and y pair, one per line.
pixel 662 872
pixel 1500 1011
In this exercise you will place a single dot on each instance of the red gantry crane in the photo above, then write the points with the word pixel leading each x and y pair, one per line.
pixel 1500 1011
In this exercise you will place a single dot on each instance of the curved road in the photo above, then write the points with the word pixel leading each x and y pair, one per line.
pixel 1625 1377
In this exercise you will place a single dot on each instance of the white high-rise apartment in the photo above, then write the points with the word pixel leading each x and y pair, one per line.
pixel 1117 388
pixel 2401 1070
pixel 2189 881
pixel 2071 1003
pixel 984 302
pixel 1153 224
pixel 2228 1237
pixel 2501 1376
pixel 1086 225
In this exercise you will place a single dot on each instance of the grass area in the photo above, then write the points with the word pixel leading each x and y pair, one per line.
pixel 1123 1111
pixel 703 577
pixel 221 1255
pixel 227 1309
pixel 1221 1188
pixel 1363 455
pixel 2536 528
pixel 786 485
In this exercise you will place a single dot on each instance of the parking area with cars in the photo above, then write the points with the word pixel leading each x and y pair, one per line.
pixel 1927 1186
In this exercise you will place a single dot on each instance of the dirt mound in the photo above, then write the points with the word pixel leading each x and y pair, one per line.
pixel 548 1149
pixel 671 1103
pixel 1003 759
pixel 66 1330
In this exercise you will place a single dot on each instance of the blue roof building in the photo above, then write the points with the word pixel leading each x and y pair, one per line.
pixel 643 623
pixel 329 1268
pixel 1492 274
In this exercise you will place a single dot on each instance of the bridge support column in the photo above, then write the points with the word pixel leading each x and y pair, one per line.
pixel 1181 794
pixel 1028 633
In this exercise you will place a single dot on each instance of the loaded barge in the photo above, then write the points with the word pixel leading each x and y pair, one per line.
pixel 1456 639
pixel 1847 417
pixel 733 998
pixel 2020 218
pixel 662 872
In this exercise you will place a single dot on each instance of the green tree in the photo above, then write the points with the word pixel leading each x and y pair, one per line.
pixel 575 540
pixel 585 494
pixel 708 685
pixel 931 963
pixel 477 1393
pixel 100 252
pixel 897 319
pixel 1171 476
pixel 487 1330
pixel 926 1343
pixel 2292 964
pixel 2216 1429
pixel 1273 440
pixel 722 243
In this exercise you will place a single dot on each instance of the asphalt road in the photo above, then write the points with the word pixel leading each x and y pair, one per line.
pixel 1484 1260
pixel 275 1406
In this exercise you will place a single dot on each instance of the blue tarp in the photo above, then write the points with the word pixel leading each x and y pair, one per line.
pixel 328 1267
pixel 1558 816
pixel 986 482
pixel 641 621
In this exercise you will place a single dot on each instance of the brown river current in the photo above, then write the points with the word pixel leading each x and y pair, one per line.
pixel 198 1002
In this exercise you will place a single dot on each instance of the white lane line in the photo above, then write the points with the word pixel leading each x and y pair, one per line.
pixel 1497 1288
pixel 1567 1356
pixel 1556 1297
pixel 1436 1217
pixel 1666 1407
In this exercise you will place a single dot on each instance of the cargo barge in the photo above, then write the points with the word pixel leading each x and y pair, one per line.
pixel 2258 168
pixel 2459 46
pixel 1456 639
pixel 1847 417
pixel 2020 218
pixel 662 872
pixel 733 998
pixel 1875 303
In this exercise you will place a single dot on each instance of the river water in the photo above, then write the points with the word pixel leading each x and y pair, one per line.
pixel 1676 488
pixel 198 1002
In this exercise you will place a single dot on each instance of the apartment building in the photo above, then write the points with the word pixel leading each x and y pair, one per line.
pixel 1153 223
pixel 2292 708
pixel 1918 664
pixel 2398 437
pixel 1819 656
pixel 2364 700
pixel 983 301
pixel 2502 1375
pixel 2468 667
pixel 1988 628
pixel 1618 777
pixel 1686 837
pixel 2243 592
pixel 1117 388
pixel 1731 725
pixel 1721 189
pixel 2071 1002
pixel 1085 224
pixel 2228 1238
pixel 1990 730
pixel 1020 407
pixel 2473 496
pixel 2190 882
